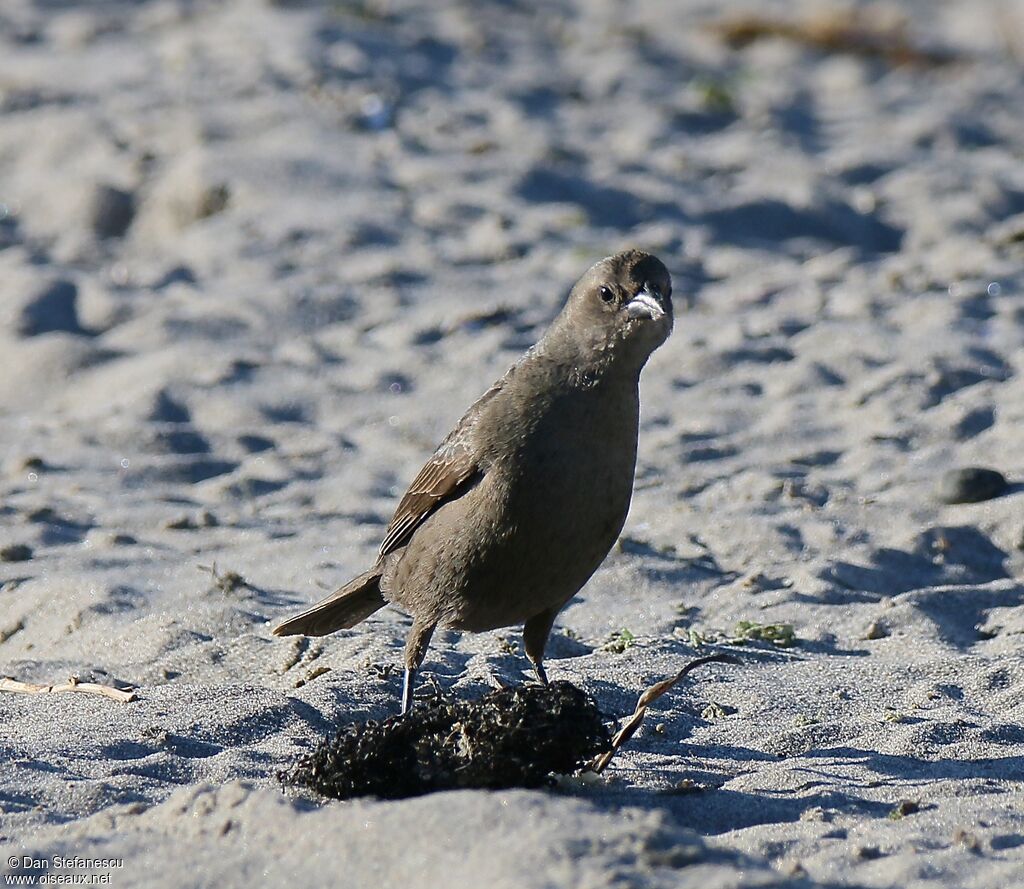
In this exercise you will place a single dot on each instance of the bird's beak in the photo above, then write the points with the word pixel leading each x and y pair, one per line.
pixel 646 304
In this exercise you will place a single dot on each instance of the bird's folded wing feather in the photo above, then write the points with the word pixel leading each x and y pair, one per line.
pixel 447 475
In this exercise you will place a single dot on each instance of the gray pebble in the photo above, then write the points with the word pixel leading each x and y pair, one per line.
pixel 15 552
pixel 111 211
pixel 970 485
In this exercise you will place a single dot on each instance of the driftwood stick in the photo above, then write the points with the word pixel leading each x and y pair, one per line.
pixel 88 688
pixel 646 699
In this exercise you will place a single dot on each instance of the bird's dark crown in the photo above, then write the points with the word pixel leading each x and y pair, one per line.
pixel 637 268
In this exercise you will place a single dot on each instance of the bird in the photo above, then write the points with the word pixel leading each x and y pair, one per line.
pixel 521 503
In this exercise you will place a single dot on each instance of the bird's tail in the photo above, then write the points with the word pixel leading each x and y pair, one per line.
pixel 355 601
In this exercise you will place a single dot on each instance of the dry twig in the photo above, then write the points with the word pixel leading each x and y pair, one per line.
pixel 853 32
pixel 646 699
pixel 88 688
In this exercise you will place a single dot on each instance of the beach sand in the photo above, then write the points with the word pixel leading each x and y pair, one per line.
pixel 256 258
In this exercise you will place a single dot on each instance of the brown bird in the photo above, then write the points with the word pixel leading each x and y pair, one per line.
pixel 523 500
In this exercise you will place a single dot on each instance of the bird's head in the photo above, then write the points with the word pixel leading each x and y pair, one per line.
pixel 624 301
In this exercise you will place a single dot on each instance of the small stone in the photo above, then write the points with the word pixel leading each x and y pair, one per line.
pixel 15 552
pixel 213 200
pixel 202 519
pixel 111 211
pixel 876 630
pixel 967 839
pixel 971 485
pixel 103 539
pixel 903 808
pixel 713 711
pixel 755 581
pixel 868 853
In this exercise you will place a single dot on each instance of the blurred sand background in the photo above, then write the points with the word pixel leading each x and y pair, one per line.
pixel 257 257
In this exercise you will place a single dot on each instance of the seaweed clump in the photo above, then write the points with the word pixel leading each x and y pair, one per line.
pixel 513 737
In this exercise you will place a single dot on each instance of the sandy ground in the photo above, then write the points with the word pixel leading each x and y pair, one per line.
pixel 255 260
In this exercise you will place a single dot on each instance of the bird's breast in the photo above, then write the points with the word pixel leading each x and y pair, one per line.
pixel 572 475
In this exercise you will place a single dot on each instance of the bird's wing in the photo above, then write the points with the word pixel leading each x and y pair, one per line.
pixel 448 474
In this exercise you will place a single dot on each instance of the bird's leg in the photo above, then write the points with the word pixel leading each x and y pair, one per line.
pixel 415 650
pixel 407 683
pixel 542 674
pixel 535 637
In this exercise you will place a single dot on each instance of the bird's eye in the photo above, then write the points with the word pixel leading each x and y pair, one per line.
pixel 606 294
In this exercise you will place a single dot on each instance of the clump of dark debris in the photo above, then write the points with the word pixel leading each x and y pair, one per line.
pixel 513 737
